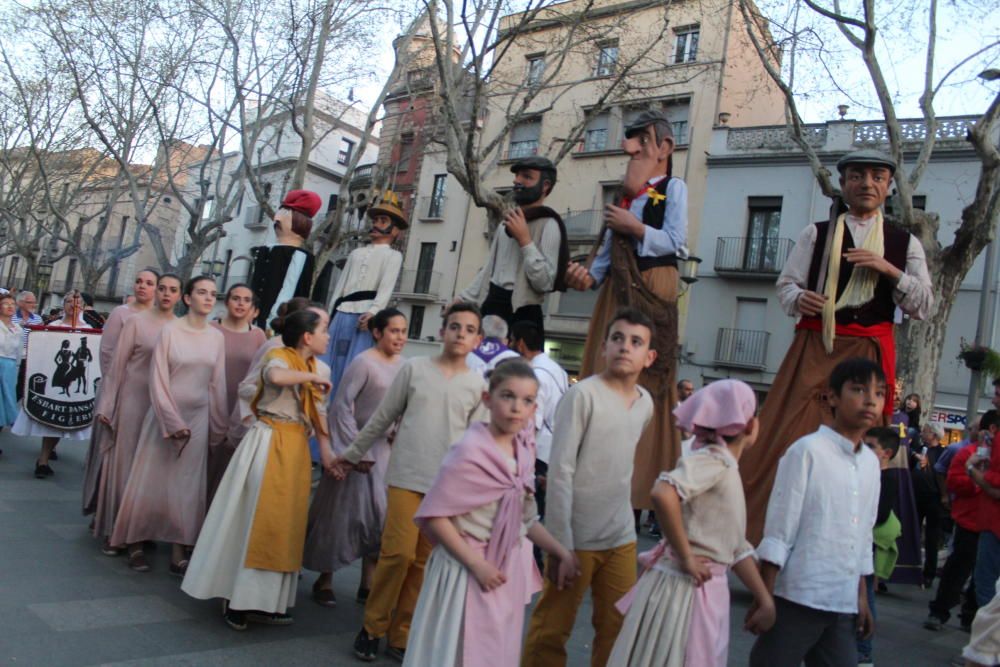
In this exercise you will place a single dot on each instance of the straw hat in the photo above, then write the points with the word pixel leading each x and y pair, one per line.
pixel 389 205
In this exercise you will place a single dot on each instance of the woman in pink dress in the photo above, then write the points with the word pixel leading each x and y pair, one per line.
pixel 144 291
pixel 243 340
pixel 124 403
pixel 165 497
pixel 346 517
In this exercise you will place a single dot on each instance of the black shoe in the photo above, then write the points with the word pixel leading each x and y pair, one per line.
pixel 53 456
pixel 43 471
pixel 396 654
pixel 362 595
pixel 928 583
pixel 266 618
pixel 366 646
pixel 933 623
pixel 882 587
pixel 237 620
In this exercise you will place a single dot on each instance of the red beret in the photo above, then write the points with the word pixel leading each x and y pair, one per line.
pixel 303 201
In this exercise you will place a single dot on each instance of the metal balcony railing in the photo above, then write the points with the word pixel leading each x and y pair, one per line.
pixel 419 283
pixel 583 223
pixel 432 207
pixel 361 177
pixel 751 256
pixel 742 348
pixel 521 149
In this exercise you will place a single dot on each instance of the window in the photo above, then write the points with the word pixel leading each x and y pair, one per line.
pixel 70 273
pixel 346 149
pixel 524 139
pixel 436 207
pixel 919 203
pixel 266 192
pixel 405 152
pixel 331 205
pixel 536 68
pixel 595 136
pixel 607 58
pixel 12 272
pixel 761 249
pixel 425 268
pixel 116 266
pixel 416 322
pixel 686 50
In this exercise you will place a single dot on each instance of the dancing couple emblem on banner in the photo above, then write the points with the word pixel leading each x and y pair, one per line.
pixel 62 377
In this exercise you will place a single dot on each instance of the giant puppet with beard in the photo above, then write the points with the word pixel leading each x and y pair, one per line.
pixel 634 264
pixel 285 270
pixel 529 259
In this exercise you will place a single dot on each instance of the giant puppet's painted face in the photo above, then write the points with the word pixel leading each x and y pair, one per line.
pixel 647 159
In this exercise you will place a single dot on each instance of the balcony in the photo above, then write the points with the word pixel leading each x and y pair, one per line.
pixel 361 177
pixel 583 223
pixel 419 285
pixel 742 348
pixel 754 257
pixel 432 208
pixel 520 149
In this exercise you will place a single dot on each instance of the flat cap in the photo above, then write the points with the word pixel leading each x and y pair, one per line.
pixel 533 162
pixel 867 156
pixel 647 118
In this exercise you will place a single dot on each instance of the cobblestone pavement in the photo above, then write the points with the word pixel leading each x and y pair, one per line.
pixel 63 603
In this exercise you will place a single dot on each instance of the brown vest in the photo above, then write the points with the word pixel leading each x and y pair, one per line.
pixel 881 308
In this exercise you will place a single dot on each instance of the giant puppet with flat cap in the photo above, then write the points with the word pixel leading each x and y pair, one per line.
pixel 285 270
pixel 529 258
pixel 843 282
pixel 364 286
pixel 635 265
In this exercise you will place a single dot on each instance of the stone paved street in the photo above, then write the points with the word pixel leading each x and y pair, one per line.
pixel 63 603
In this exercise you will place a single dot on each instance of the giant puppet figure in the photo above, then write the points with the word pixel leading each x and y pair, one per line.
pixel 635 265
pixel 285 270
pixel 843 281
pixel 529 259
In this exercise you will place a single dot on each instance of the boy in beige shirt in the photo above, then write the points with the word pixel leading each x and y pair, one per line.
pixel 597 425
pixel 435 400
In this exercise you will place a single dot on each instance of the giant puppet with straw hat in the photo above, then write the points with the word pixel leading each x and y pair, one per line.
pixel 843 282
pixel 365 286
pixel 285 269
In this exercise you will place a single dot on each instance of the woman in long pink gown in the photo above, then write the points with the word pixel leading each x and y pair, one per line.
pixel 165 497
pixel 346 517
pixel 144 290
pixel 243 340
pixel 124 402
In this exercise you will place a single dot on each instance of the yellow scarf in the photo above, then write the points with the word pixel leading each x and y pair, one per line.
pixel 860 289
pixel 309 396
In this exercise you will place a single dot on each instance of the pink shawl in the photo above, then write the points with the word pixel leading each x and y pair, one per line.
pixel 475 473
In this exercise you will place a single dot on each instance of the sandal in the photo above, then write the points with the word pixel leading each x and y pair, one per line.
pixel 179 569
pixel 323 596
pixel 137 561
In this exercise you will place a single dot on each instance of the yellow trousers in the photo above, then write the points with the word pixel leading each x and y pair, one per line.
pixel 609 574
pixel 400 570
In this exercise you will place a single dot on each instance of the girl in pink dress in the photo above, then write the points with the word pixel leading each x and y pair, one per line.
pixel 479 510
pixel 124 403
pixel 165 497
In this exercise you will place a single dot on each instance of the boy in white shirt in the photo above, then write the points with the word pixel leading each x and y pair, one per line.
pixel 818 531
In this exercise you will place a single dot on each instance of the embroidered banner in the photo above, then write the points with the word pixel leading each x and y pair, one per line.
pixel 63 375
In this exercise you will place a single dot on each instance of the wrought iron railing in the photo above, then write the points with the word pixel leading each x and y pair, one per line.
pixel 751 255
pixel 743 348
pixel 421 282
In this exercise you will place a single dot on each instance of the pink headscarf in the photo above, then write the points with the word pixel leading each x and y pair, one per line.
pixel 722 408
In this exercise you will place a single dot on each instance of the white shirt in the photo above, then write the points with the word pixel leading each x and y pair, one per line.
pixel 370 268
pixel 552 384
pixel 11 342
pixel 913 293
pixel 819 521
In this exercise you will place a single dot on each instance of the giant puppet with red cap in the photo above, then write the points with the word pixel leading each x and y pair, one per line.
pixel 285 270
pixel 843 282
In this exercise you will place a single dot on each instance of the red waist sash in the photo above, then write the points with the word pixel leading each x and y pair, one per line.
pixel 883 334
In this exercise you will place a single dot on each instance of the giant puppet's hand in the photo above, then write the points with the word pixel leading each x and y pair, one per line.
pixel 867 259
pixel 578 277
pixel 623 221
pixel 517 226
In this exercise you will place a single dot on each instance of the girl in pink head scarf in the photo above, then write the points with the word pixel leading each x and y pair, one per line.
pixel 677 615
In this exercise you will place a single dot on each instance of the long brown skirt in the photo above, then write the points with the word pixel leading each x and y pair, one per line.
pixel 660 444
pixel 796 405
